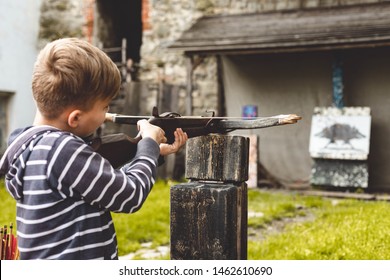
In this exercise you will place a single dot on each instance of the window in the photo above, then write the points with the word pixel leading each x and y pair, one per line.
pixel 4 104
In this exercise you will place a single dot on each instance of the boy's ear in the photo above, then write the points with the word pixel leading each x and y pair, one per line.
pixel 74 118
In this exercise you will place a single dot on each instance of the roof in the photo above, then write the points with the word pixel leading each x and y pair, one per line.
pixel 291 30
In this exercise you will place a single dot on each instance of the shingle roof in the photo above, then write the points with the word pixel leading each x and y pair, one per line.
pixel 293 30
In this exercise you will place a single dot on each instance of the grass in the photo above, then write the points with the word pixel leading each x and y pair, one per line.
pixel 278 205
pixel 340 229
pixel 349 230
pixel 149 224
pixel 8 206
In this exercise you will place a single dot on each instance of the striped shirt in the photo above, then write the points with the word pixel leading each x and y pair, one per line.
pixel 65 193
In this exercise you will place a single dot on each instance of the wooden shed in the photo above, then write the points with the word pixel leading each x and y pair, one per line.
pixel 281 62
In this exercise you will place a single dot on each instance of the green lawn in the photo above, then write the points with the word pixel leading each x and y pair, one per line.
pixel 149 224
pixel 338 229
pixel 8 206
pixel 348 230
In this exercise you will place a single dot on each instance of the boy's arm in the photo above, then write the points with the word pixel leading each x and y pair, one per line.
pixel 79 172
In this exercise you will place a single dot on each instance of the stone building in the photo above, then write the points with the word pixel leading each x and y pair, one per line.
pixel 209 54
pixel 281 58
pixel 193 56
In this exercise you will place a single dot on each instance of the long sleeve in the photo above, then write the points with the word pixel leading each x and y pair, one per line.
pixel 65 192
pixel 77 171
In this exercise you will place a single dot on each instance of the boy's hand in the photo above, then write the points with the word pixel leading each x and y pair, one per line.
pixel 180 139
pixel 149 130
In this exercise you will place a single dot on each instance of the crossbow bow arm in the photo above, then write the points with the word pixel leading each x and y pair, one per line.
pixel 255 123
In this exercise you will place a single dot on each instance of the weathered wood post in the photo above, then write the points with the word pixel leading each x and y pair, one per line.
pixel 209 214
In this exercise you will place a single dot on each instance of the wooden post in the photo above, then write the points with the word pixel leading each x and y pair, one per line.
pixel 209 214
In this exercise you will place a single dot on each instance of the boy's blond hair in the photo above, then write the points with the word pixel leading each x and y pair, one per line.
pixel 72 72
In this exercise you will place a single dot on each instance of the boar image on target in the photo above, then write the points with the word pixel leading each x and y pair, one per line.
pixel 340 132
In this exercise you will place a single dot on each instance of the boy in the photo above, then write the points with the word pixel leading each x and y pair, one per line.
pixel 64 190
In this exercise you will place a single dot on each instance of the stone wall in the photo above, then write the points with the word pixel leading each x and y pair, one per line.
pixel 62 18
pixel 163 22
pixel 167 19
